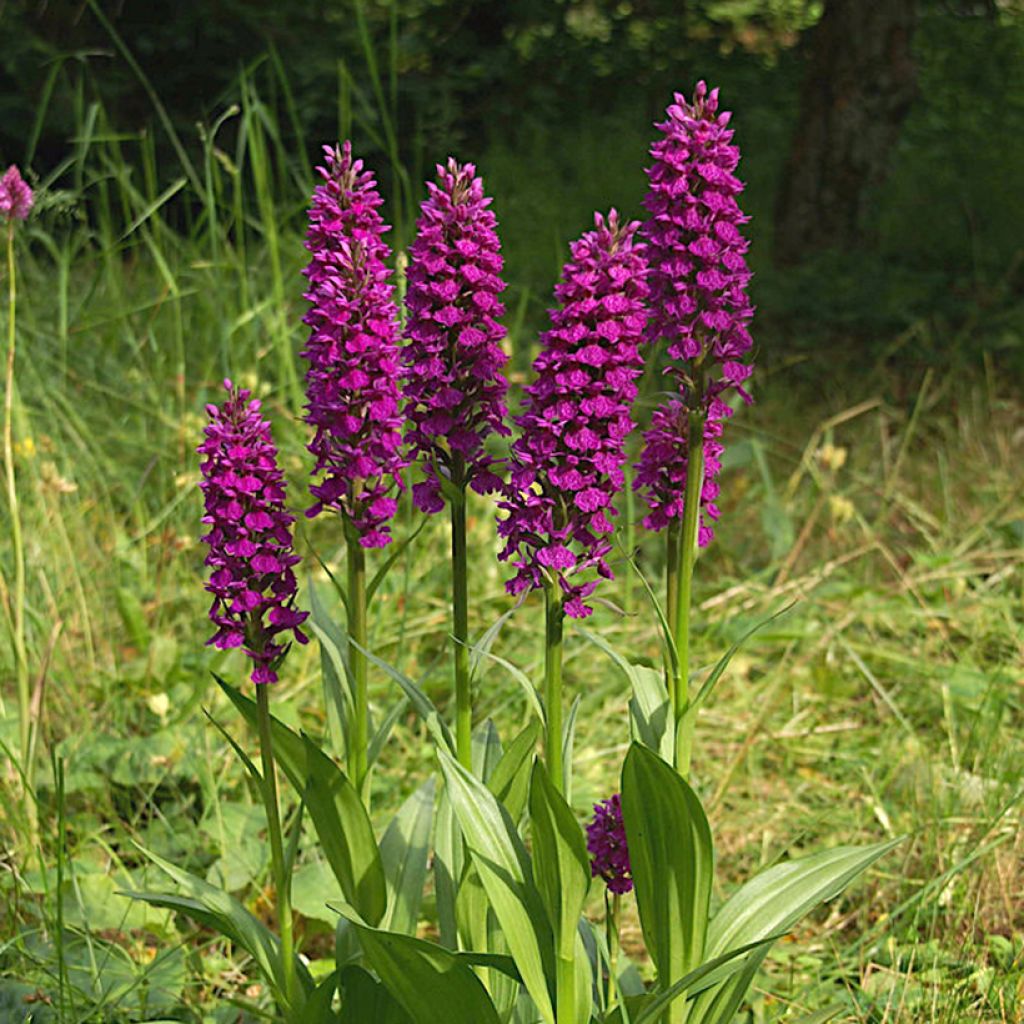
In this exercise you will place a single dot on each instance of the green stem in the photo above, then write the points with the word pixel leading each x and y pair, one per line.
pixel 554 615
pixel 359 727
pixel 460 621
pixel 282 884
pixel 611 935
pixel 672 536
pixel 687 557
pixel 20 654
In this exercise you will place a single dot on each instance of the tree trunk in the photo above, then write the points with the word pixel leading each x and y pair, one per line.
pixel 859 86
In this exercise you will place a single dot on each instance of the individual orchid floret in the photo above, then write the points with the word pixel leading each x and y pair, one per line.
pixel 352 384
pixel 250 535
pixel 454 389
pixel 606 843
pixel 16 198
pixel 566 465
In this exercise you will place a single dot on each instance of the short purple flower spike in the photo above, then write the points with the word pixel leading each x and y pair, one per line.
pixel 352 384
pixel 16 197
pixel 699 279
pixel 250 535
pixel 606 843
pixel 455 390
pixel 567 463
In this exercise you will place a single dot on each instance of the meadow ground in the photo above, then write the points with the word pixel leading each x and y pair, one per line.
pixel 883 508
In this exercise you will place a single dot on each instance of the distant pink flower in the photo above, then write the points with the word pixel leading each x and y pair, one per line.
pixel 16 197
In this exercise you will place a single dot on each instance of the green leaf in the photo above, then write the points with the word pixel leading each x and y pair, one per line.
pixel 220 911
pixel 691 982
pixel 448 867
pixel 403 853
pixel 430 982
pixel 672 859
pixel 510 780
pixel 422 704
pixel 504 868
pixel 289 750
pixel 823 1015
pixel 561 866
pixel 397 550
pixel 720 666
pixel 568 741
pixel 335 671
pixel 771 903
pixel 365 999
pixel 337 812
pixel 650 712
pixel 380 737
pixel 345 833
pixel 486 750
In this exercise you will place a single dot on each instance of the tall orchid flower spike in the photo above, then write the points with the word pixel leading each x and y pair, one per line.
pixel 352 391
pixel 567 462
pixel 699 281
pixel 454 385
pixel 352 384
pixel 250 536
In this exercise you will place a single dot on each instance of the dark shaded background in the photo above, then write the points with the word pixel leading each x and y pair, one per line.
pixel 883 141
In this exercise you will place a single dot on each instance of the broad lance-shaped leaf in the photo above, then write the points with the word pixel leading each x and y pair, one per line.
pixel 510 780
pixel 561 867
pixel 672 860
pixel 220 911
pixel 770 903
pixel 335 670
pixel 366 999
pixel 345 833
pixel 338 815
pixel 403 852
pixel 650 712
pixel 504 869
pixel 431 983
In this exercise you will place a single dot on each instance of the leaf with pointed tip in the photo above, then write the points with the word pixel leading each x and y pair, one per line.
pixel 722 664
pixel 345 833
pixel 672 859
pixel 504 868
pixel 510 780
pixel 335 670
pixel 219 910
pixel 397 550
pixel 431 983
pixel 403 853
pixel 486 750
pixel 366 1000
pixel 773 902
pixel 650 712
pixel 380 737
pixel 568 742
pixel 561 866
pixel 422 704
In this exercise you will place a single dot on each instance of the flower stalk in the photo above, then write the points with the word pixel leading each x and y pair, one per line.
pixel 359 736
pixel 460 620
pixel 688 543
pixel 282 883
pixel 554 621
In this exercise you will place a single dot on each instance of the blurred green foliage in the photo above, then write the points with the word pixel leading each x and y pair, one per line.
pixel 554 101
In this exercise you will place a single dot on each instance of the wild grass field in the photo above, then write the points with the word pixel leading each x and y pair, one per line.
pixel 880 512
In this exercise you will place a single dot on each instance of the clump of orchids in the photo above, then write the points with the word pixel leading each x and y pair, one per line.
pixel 513 869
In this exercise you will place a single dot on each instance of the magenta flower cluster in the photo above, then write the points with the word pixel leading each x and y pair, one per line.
pixel 699 280
pixel 606 843
pixel 250 535
pixel 16 197
pixel 352 384
pixel 454 389
pixel 567 464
